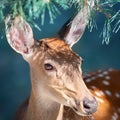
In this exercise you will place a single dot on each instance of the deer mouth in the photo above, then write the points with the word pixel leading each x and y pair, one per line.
pixel 81 113
pixel 81 109
pixel 77 109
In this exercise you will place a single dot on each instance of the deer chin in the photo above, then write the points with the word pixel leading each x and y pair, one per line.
pixel 78 110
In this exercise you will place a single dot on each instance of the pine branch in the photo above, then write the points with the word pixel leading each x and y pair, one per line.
pixel 34 9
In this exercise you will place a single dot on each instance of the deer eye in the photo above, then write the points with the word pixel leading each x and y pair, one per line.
pixel 48 66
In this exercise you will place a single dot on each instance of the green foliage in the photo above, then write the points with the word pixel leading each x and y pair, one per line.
pixel 33 9
pixel 36 8
pixel 112 19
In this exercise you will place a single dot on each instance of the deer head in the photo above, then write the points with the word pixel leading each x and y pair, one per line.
pixel 55 68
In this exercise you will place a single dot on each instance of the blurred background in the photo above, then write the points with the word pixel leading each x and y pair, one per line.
pixel 14 71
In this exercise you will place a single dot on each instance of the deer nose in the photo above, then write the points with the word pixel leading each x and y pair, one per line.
pixel 90 106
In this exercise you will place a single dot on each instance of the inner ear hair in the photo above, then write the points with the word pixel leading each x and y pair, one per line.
pixel 65 29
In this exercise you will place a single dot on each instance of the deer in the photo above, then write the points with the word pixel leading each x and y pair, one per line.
pixel 58 90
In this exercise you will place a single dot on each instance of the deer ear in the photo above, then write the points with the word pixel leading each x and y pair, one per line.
pixel 19 35
pixel 72 31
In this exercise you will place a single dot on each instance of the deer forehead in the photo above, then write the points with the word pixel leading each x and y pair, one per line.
pixel 58 51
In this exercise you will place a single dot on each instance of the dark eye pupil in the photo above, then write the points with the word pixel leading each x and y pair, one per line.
pixel 48 66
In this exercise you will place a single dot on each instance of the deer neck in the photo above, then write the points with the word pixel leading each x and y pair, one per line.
pixel 40 106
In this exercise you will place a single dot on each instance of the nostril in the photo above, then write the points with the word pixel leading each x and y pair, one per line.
pixel 90 106
pixel 86 106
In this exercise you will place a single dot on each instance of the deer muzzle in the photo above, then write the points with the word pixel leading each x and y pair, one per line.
pixel 83 107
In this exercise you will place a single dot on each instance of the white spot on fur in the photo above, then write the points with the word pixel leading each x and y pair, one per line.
pixel 117 95
pixel 86 75
pixel 107 77
pixel 115 116
pixel 93 78
pixel 108 92
pixel 106 83
pixel 100 75
pixel 105 72
pixel 99 93
pixel 93 87
pixel 88 80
